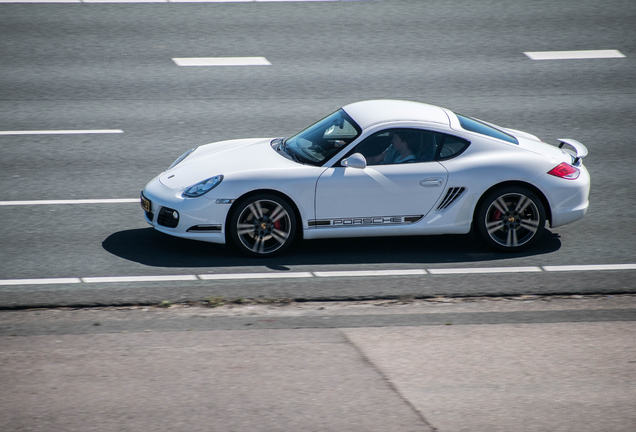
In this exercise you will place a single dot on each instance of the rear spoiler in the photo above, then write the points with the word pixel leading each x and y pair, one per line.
pixel 580 151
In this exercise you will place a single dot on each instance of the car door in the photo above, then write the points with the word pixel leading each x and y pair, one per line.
pixel 387 193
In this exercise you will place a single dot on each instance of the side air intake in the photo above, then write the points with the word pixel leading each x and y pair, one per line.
pixel 451 196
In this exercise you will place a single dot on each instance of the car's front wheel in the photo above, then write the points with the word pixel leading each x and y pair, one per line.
pixel 510 219
pixel 262 225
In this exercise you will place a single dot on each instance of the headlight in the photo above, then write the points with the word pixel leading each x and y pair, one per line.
pixel 202 188
pixel 181 158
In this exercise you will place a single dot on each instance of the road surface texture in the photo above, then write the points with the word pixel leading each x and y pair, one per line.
pixel 500 364
pixel 109 67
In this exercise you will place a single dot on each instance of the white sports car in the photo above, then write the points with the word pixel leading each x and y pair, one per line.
pixel 373 168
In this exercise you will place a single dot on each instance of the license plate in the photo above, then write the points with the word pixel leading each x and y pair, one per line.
pixel 145 204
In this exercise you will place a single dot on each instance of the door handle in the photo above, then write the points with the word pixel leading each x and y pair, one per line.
pixel 432 182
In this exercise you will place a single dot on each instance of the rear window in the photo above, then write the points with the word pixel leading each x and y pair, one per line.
pixel 472 125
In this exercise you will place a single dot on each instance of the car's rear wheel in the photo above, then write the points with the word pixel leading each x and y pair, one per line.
pixel 262 225
pixel 511 219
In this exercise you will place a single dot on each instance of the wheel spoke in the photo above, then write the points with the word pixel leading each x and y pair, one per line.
pixel 523 203
pixel 512 238
pixel 259 245
pixel 256 209
pixel 500 205
pixel 494 226
pixel 278 213
pixel 244 228
pixel 280 236
pixel 530 225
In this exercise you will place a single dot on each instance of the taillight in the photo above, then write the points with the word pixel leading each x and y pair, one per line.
pixel 565 171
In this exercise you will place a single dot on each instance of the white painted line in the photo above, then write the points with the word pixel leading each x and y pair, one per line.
pixel 592 267
pixel 574 55
pixel 40 1
pixel 287 275
pixel 63 132
pixel 221 61
pixel 370 273
pixel 282 275
pixel 480 270
pixel 125 1
pixel 49 281
pixel 209 1
pixel 73 201
pixel 159 1
pixel 118 279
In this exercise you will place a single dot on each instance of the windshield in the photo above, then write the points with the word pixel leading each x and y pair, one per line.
pixel 321 141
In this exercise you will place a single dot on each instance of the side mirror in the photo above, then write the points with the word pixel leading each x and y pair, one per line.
pixel 356 160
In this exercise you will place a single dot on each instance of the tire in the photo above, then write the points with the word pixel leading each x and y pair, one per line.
pixel 510 219
pixel 262 225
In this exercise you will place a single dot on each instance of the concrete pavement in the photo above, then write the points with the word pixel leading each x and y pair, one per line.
pixel 524 375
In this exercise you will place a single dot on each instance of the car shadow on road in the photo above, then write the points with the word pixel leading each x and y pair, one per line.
pixel 149 247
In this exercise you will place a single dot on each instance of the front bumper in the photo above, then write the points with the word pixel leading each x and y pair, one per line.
pixel 199 218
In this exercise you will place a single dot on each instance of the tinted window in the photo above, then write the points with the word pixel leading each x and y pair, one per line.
pixel 451 147
pixel 410 145
pixel 470 124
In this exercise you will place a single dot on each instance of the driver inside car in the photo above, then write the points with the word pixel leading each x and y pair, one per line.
pixel 403 149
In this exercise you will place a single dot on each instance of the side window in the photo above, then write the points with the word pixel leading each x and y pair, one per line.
pixel 452 147
pixel 395 146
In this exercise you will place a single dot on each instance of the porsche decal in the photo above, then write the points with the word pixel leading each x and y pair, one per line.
pixel 364 221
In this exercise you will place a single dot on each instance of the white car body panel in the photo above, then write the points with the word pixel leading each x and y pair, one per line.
pixel 380 191
pixel 378 200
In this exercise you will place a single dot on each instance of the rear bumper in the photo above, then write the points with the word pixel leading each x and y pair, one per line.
pixel 568 199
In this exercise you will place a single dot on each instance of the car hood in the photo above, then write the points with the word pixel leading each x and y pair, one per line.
pixel 226 158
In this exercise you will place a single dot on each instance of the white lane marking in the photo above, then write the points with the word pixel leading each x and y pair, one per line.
pixel 63 132
pixel 255 276
pixel 118 279
pixel 40 1
pixel 370 273
pixel 591 267
pixel 574 55
pixel 213 1
pixel 50 281
pixel 73 201
pixel 221 61
pixel 478 270
pixel 124 1
pixel 159 1
pixel 282 275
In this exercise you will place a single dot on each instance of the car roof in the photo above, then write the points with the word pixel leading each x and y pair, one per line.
pixel 367 113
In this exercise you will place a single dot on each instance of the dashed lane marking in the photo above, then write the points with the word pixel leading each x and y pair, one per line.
pixel 72 201
pixel 162 1
pixel 596 267
pixel 63 132
pixel 358 273
pixel 119 279
pixel 221 61
pixel 574 55
pixel 48 281
pixel 318 274
pixel 285 275
pixel 477 270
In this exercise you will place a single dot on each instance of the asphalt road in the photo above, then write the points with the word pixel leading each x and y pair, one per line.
pixel 108 66
pixel 496 364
